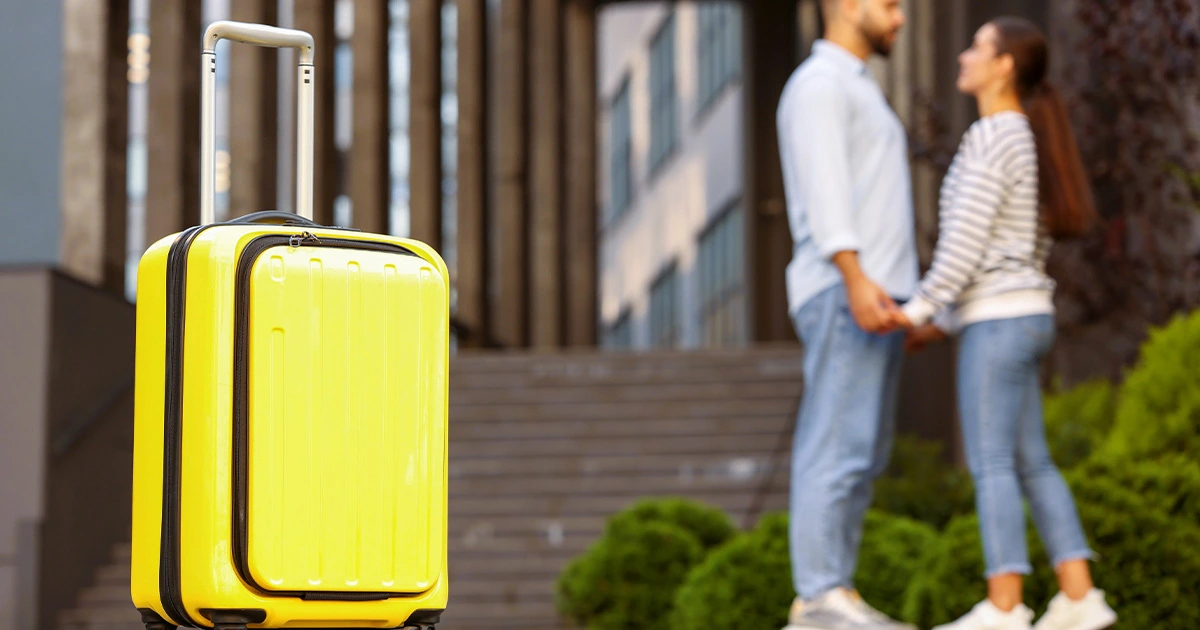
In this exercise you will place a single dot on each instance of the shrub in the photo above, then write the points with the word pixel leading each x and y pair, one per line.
pixel 920 484
pixel 949 579
pixel 1170 483
pixel 1159 411
pixel 1149 562
pixel 746 583
pixel 710 526
pixel 628 580
pixel 891 552
pixel 1078 420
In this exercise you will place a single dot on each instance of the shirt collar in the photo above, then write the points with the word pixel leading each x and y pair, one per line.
pixel 842 58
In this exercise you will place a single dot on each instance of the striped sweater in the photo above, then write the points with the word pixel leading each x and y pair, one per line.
pixel 990 259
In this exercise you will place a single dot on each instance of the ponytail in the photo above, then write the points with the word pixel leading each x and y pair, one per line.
pixel 1067 207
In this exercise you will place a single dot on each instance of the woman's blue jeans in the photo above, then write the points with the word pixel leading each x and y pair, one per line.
pixel 1000 410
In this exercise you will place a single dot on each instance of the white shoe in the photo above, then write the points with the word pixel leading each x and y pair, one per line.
pixel 985 616
pixel 1089 613
pixel 838 609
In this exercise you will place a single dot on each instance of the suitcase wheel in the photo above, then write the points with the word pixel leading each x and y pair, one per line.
pixel 153 621
pixel 234 619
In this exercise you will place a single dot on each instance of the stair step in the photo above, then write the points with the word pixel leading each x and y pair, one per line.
pixel 114 573
pixel 105 595
pixel 102 614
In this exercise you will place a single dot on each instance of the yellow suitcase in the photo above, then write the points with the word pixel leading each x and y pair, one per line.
pixel 290 417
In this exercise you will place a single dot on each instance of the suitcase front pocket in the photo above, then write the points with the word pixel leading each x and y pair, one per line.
pixel 338 442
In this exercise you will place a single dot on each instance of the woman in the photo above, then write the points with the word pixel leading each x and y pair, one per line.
pixel 1016 182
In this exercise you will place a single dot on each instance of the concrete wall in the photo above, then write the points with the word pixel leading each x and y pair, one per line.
pixel 89 462
pixel 24 372
pixel 673 205
pixel 30 130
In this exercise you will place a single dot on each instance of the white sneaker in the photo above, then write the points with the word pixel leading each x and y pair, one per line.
pixel 838 609
pixel 1089 613
pixel 877 615
pixel 985 616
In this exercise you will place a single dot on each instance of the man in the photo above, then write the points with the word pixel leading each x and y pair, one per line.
pixel 845 167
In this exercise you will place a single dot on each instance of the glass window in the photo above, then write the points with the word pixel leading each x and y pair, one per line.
pixel 663 102
pixel 722 281
pixel 664 309
pixel 718 47
pixel 620 172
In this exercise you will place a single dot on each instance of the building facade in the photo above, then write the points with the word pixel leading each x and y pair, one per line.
pixel 671 237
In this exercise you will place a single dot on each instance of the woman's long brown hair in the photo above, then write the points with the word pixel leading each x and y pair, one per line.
pixel 1068 208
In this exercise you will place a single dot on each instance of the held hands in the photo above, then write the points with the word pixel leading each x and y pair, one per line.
pixel 873 309
pixel 921 336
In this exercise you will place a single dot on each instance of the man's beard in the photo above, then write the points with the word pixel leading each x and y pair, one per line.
pixel 878 39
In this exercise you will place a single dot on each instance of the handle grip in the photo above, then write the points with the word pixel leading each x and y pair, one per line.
pixel 274 216
pixel 273 37
pixel 259 35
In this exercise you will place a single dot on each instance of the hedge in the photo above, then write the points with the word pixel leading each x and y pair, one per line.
pixel 748 583
pixel 628 581
pixel 921 484
pixel 710 526
pixel 627 578
pixel 1078 421
pixel 1149 561
pixel 1159 408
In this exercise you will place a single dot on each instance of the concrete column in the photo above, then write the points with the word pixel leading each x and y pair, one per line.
pixel 173 125
pixel 472 171
pixel 545 182
pixel 368 176
pixel 253 109
pixel 316 17
pixel 31 128
pixel 94 135
pixel 580 192
pixel 770 45
pixel 510 256
pixel 425 128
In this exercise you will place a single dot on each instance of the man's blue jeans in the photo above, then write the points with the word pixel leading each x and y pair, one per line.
pixel 1000 410
pixel 844 435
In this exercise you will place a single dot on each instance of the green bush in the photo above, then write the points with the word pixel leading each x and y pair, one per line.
pixel 628 580
pixel 1170 483
pixel 1149 561
pixel 892 549
pixel 920 484
pixel 710 526
pixel 746 583
pixel 1078 420
pixel 1159 410
pixel 949 577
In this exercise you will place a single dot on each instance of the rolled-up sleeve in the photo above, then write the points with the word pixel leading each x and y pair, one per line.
pixel 817 127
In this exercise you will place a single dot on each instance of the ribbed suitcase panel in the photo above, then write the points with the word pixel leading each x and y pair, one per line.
pixel 346 383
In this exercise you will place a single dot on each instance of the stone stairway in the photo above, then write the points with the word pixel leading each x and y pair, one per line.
pixel 544 447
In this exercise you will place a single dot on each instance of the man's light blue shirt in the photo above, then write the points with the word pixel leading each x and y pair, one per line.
pixel 844 154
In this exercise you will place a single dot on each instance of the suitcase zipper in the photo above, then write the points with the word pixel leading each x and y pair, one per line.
pixel 241 384
pixel 170 589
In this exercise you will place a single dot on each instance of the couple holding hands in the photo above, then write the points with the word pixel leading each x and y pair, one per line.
pixel 857 302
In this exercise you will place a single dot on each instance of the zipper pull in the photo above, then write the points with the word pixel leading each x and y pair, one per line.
pixel 296 240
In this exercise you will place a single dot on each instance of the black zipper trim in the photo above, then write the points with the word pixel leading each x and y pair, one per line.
pixel 241 401
pixel 169 582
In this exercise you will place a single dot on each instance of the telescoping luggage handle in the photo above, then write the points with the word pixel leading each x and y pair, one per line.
pixel 259 35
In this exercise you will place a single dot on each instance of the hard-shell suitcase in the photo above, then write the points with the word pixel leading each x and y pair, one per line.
pixel 290 417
